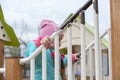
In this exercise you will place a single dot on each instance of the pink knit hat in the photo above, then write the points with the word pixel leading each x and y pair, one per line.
pixel 47 27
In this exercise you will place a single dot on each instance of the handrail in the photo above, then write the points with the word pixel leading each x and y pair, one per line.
pixel 38 50
pixel 84 7
pixel 2 70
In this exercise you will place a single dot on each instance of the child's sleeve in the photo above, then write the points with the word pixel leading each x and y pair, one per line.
pixel 66 59
pixel 31 47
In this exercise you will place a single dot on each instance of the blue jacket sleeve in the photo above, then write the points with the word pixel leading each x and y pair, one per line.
pixel 31 47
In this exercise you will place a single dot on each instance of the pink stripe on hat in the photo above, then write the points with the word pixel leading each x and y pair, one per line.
pixel 47 27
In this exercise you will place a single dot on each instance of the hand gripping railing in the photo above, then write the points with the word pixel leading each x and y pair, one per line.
pixel 37 52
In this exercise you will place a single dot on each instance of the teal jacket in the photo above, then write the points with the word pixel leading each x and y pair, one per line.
pixel 31 47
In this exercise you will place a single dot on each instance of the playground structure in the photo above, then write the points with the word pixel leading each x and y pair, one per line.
pixel 13 65
pixel 7 37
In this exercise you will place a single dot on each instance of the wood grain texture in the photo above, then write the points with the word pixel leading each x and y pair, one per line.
pixel 115 30
pixel 13 69
pixel 1 57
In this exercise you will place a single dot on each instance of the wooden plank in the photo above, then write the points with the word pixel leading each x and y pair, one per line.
pixel 115 30
pixel 1 57
pixel 13 68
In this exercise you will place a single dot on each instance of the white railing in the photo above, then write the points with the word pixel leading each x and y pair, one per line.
pixel 44 64
pixel 83 50
pixel 31 58
pixel 96 43
pixel 83 56
pixel 57 58
pixel 2 70
pixel 69 48
pixel 88 48
pixel 110 56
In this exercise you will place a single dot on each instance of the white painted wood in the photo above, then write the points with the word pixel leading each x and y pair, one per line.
pixel 83 55
pixel 3 34
pixel 32 69
pixel 57 73
pixel 44 69
pixel 69 48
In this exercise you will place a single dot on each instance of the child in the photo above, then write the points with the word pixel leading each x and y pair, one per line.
pixel 47 28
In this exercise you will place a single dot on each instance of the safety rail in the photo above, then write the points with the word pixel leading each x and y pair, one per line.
pixel 68 24
pixel 2 70
pixel 36 52
pixel 88 48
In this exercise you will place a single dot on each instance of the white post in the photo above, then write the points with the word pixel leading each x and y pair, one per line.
pixel 101 65
pixel 96 36
pixel 32 68
pixel 83 55
pixel 97 52
pixel 44 70
pixel 110 56
pixel 57 74
pixel 69 48
pixel 91 63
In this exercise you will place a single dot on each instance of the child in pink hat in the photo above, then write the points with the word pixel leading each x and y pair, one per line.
pixel 47 28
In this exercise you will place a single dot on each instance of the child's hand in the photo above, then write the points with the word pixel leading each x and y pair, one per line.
pixel 46 41
pixel 77 56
